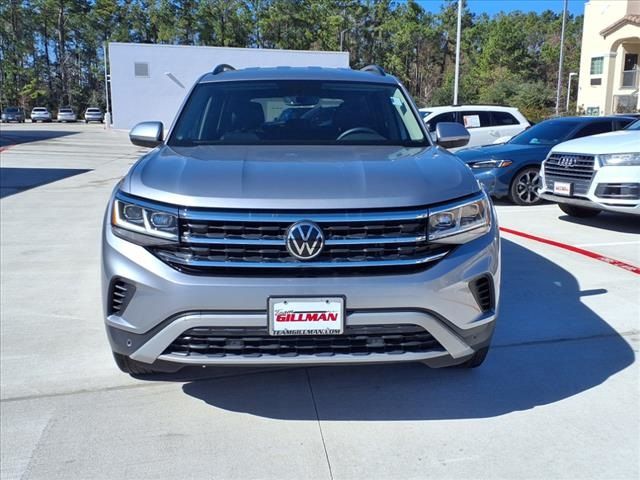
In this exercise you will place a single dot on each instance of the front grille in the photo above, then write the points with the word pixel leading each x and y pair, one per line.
pixel 357 340
pixel 214 241
pixel 120 294
pixel 482 289
pixel 575 169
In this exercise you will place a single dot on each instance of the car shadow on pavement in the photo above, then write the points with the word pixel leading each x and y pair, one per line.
pixel 616 222
pixel 16 180
pixel 16 136
pixel 548 346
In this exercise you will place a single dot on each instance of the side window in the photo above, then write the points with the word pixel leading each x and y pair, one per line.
pixel 594 128
pixel 503 118
pixel 409 120
pixel 620 124
pixel 443 117
pixel 597 64
pixel 475 119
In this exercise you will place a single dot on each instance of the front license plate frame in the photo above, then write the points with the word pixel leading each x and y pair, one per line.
pixel 563 188
pixel 305 313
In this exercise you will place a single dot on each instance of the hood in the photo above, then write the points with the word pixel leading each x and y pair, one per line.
pixel 621 141
pixel 300 177
pixel 505 151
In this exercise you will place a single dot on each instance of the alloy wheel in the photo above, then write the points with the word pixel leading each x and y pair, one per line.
pixel 527 184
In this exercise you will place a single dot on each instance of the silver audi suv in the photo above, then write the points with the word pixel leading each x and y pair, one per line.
pixel 298 216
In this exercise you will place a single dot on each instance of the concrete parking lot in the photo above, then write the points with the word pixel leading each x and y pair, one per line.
pixel 557 397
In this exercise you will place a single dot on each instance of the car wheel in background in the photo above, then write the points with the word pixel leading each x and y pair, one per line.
pixel 580 212
pixel 524 187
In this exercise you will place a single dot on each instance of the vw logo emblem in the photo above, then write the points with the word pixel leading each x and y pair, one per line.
pixel 305 240
pixel 567 162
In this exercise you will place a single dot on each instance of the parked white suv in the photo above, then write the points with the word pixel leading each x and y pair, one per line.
pixel 487 124
pixel 591 174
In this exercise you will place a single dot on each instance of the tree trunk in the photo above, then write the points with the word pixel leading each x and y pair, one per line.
pixel 62 59
pixel 47 57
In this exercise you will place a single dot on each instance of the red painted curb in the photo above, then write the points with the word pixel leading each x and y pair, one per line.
pixel 581 251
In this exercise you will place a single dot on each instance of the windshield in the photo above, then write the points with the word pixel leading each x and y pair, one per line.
pixel 634 126
pixel 297 112
pixel 66 110
pixel 549 132
pixel 11 110
pixel 93 110
pixel 39 109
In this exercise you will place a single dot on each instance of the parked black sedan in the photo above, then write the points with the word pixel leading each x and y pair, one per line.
pixel 512 169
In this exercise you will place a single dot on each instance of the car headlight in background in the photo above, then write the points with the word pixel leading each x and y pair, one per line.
pixel 491 164
pixel 460 222
pixel 143 222
pixel 619 159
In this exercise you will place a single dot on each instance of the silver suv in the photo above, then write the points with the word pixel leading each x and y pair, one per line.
pixel 337 234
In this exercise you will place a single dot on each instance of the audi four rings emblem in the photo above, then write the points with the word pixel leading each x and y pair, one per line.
pixel 567 161
pixel 305 240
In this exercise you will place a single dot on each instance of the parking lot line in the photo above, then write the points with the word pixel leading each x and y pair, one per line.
pixel 608 244
pixel 571 248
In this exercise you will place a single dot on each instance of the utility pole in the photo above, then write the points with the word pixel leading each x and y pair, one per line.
pixel 564 20
pixel 342 32
pixel 457 74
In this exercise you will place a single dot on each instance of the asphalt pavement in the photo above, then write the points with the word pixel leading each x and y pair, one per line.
pixel 557 397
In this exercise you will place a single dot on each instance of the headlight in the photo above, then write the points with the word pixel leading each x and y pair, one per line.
pixel 491 164
pixel 144 222
pixel 460 222
pixel 620 159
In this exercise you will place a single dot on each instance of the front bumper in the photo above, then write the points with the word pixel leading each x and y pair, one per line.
pixel 602 176
pixel 166 303
pixel 495 181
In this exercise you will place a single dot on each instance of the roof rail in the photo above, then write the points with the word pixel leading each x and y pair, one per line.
pixel 378 70
pixel 223 67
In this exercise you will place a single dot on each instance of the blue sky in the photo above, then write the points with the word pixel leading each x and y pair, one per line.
pixel 491 7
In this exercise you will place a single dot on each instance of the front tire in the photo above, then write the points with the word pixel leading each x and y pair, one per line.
pixel 132 367
pixel 579 212
pixel 524 187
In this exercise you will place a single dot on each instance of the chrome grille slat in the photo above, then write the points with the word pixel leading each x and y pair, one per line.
pixel 170 258
pixel 200 240
pixel 288 218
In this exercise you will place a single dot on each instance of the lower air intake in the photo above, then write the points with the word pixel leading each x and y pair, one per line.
pixel 482 289
pixel 120 294
pixel 356 340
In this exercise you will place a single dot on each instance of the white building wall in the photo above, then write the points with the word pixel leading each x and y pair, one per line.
pixel 172 70
pixel 595 92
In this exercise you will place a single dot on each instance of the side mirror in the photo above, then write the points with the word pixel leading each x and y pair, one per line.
pixel 146 134
pixel 451 135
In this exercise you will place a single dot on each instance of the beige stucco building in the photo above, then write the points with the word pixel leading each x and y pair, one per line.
pixel 609 76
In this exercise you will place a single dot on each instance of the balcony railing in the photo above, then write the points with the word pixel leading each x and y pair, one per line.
pixel 630 78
